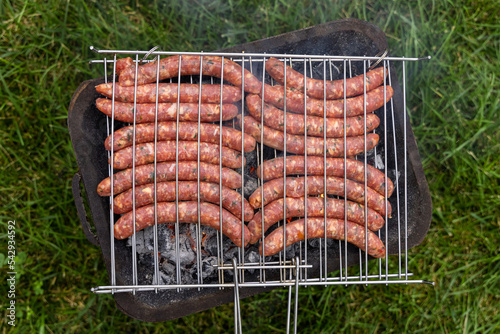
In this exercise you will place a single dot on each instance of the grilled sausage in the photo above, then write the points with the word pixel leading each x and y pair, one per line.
pixel 274 118
pixel 209 133
pixel 165 171
pixel 295 143
pixel 145 112
pixel 295 187
pixel 335 208
pixel 295 165
pixel 188 191
pixel 330 108
pixel 335 229
pixel 315 87
pixel 166 151
pixel 190 65
pixel 167 92
pixel 188 213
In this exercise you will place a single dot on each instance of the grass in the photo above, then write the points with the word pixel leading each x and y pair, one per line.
pixel 44 50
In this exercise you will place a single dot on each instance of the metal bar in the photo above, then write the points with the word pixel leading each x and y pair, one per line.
pixel 250 54
pixel 177 227
pixel 405 168
pixel 305 168
pixel 156 276
pixel 242 256
pixel 111 213
pixel 386 168
pixel 325 190
pixel 131 288
pixel 220 166
pixel 296 295
pixel 198 224
pixel 289 308
pixel 286 266
pixel 345 166
pixel 397 182
pixel 237 308
pixel 365 168
pixel 263 256
pixel 285 220
pixel 134 241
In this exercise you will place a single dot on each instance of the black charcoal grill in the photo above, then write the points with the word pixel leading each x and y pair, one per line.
pixel 191 281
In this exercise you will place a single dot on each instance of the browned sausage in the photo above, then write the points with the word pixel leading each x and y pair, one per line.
pixel 187 131
pixel 166 151
pixel 188 213
pixel 165 171
pixel 188 191
pixel 274 118
pixel 335 229
pixel 295 143
pixel 167 92
pixel 273 212
pixel 190 65
pixel 334 108
pixel 315 87
pixel 295 187
pixel 145 112
pixel 334 167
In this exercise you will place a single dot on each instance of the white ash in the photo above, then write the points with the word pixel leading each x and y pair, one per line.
pixel 379 162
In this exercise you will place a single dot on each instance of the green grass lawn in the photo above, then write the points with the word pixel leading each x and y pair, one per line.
pixel 454 110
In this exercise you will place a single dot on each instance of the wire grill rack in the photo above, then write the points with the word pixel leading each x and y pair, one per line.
pixel 309 264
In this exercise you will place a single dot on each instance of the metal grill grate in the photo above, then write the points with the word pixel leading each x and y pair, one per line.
pixel 318 261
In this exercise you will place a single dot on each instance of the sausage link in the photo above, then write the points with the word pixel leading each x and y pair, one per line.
pixel 335 229
pixel 355 170
pixel 188 213
pixel 295 187
pixel 274 118
pixel 165 171
pixel 187 131
pixel 145 112
pixel 335 208
pixel 190 65
pixel 334 108
pixel 316 87
pixel 122 64
pixel 295 143
pixel 166 151
pixel 167 92
pixel 188 191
